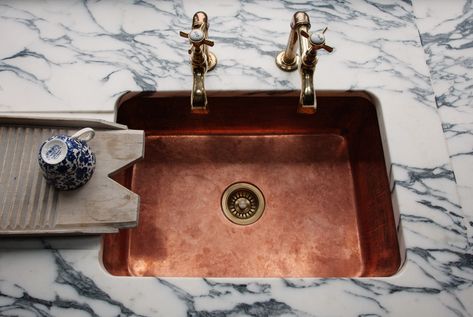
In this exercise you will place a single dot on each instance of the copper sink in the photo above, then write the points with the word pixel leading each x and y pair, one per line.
pixel 328 210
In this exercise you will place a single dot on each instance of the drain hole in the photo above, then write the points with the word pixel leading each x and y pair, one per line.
pixel 242 203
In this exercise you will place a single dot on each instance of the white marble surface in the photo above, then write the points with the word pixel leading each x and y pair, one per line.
pixel 67 56
pixel 446 30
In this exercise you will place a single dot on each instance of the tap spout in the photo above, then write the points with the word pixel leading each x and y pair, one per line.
pixel 198 94
pixel 307 101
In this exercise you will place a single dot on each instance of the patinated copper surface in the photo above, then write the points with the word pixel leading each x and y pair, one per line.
pixel 328 210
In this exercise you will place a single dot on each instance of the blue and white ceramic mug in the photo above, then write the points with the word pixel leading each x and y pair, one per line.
pixel 68 162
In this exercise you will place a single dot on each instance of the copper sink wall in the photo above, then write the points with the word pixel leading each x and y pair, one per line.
pixel 328 212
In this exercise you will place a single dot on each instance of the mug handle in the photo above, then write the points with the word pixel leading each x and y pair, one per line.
pixel 85 134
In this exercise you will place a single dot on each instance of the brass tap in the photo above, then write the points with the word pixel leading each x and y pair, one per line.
pixel 288 60
pixel 202 60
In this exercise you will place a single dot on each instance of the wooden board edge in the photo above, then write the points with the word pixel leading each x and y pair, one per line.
pixel 59 122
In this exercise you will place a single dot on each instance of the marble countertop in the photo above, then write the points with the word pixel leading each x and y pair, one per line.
pixel 447 36
pixel 79 57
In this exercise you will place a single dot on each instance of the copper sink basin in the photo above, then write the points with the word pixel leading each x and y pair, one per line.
pixel 328 210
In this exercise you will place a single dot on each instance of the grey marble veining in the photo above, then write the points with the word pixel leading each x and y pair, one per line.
pixel 80 55
pixel 83 56
pixel 446 31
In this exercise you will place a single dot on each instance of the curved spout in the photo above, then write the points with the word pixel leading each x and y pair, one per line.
pixel 305 61
pixel 306 69
pixel 198 95
pixel 307 102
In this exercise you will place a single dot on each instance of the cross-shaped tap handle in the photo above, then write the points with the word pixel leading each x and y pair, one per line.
pixel 317 40
pixel 196 37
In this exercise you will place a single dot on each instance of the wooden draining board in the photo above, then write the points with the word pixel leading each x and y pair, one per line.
pixel 29 206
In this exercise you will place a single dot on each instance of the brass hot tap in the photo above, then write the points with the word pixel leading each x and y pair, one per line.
pixel 202 60
pixel 289 60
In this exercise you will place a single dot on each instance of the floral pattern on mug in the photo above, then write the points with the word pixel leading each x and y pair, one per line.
pixel 67 162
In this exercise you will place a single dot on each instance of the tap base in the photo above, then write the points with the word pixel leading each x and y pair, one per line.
pixel 283 65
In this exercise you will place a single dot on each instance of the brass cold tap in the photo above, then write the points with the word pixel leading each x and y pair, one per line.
pixel 289 60
pixel 202 60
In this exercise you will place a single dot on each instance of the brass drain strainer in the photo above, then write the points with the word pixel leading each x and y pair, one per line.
pixel 242 203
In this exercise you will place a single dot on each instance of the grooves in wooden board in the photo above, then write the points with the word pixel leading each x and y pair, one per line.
pixel 26 200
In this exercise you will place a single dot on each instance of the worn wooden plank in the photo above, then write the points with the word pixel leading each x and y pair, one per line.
pixel 28 205
pixel 104 200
